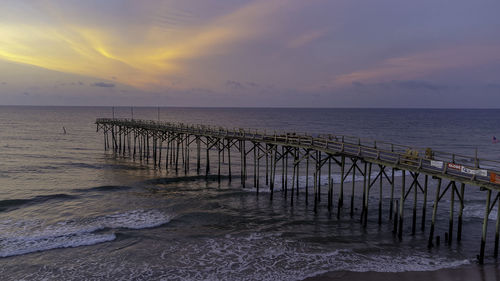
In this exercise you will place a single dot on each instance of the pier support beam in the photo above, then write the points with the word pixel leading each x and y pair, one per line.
pixel 330 184
pixel 401 205
pixel 354 165
pixel 341 191
pixel 485 227
pixel 434 213
pixel 452 209
pixel 392 195
pixel 497 227
pixel 424 204
pixel 460 212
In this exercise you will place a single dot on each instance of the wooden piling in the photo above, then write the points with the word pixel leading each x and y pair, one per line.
pixel 452 209
pixel 286 171
pixel 229 144
pixel 219 151
pixel 319 174
pixel 366 193
pixel 307 177
pixel 244 163
pixel 380 196
pixel 392 195
pixel 283 168
pixel 460 212
pixel 395 221
pixel 297 155
pixel 401 205
pixel 267 164
pixel 497 228
pixel 485 227
pixel 424 205
pixel 341 191
pixel 254 164
pixel 207 164
pixel 415 194
pixel 434 213
pixel 198 155
pixel 330 184
pixel 316 189
pixel 353 185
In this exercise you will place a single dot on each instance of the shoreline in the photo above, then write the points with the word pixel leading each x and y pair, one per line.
pixel 466 273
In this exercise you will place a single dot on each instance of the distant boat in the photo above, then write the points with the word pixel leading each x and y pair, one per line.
pixel 64 129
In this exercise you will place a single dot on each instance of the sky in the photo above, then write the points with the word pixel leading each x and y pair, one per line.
pixel 243 53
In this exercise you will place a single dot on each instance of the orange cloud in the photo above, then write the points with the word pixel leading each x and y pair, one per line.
pixel 147 55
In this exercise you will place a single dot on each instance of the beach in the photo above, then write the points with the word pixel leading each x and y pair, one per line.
pixel 466 273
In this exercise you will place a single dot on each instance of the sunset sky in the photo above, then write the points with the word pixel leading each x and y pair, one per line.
pixel 300 53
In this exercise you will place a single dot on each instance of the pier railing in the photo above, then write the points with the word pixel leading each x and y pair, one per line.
pixel 469 169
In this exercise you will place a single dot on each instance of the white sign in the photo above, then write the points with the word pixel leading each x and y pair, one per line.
pixel 483 173
pixel 437 164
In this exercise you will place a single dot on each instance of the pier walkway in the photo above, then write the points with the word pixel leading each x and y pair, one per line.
pixel 269 153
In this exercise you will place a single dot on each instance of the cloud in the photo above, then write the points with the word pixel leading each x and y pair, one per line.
pixel 103 84
pixel 306 38
pixel 412 85
pixel 422 64
pixel 147 55
pixel 250 88
pixel 4 83
pixel 235 85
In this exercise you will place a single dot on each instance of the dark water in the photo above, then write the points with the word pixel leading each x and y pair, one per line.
pixel 70 211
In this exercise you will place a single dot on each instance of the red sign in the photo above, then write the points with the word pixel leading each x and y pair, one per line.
pixel 454 166
pixel 494 178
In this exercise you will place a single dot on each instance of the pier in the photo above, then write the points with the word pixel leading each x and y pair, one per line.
pixel 277 160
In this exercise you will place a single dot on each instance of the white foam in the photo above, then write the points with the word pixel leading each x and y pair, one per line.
pixel 270 257
pixel 21 237
pixel 255 256
pixel 477 211
pixel 14 247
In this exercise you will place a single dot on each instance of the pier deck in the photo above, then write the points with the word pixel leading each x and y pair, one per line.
pixel 147 139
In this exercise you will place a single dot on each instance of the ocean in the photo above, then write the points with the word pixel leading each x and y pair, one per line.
pixel 71 211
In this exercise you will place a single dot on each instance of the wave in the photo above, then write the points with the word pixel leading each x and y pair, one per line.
pixel 22 237
pixel 477 210
pixel 185 179
pixel 271 257
pixel 81 165
pixel 104 188
pixel 11 204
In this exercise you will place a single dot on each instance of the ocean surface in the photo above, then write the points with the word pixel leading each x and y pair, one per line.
pixel 71 211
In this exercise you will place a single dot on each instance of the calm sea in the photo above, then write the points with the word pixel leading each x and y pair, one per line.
pixel 70 211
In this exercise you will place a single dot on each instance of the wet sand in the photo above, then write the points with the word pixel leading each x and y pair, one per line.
pixel 465 273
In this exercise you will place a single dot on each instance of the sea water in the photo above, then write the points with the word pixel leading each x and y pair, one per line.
pixel 71 211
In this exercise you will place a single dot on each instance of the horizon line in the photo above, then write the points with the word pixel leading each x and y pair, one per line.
pixel 246 107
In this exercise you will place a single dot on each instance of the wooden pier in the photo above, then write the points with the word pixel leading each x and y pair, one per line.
pixel 255 152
